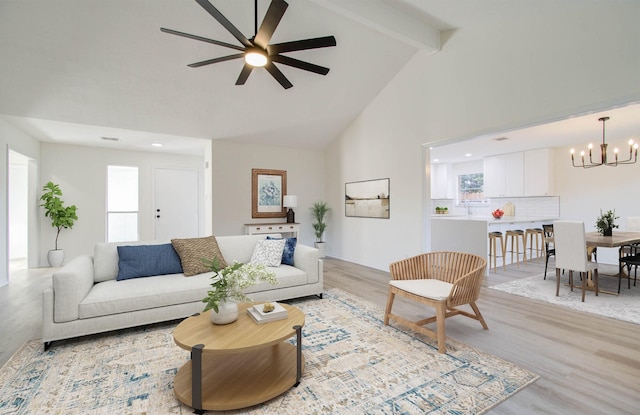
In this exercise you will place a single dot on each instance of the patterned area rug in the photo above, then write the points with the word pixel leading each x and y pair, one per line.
pixel 354 365
pixel 625 306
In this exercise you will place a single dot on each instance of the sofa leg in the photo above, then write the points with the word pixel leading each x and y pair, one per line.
pixel 319 296
pixel 47 345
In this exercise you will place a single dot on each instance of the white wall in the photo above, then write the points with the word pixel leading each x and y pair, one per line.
pixel 494 76
pixel 232 163
pixel 12 138
pixel 81 173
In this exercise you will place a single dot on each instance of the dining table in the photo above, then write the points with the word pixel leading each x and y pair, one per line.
pixel 616 240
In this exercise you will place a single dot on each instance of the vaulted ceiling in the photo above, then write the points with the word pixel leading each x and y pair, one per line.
pixel 74 71
pixel 79 70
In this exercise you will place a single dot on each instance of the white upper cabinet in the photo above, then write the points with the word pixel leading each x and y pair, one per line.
pixel 441 178
pixel 538 172
pixel 504 175
pixel 528 173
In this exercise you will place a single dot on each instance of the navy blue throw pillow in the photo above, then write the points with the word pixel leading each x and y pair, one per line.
pixel 289 248
pixel 137 261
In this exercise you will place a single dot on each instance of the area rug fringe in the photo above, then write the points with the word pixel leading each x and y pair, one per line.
pixel 354 365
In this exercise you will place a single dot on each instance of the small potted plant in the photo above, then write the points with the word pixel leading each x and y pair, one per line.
pixel 228 285
pixel 319 211
pixel 606 222
pixel 62 217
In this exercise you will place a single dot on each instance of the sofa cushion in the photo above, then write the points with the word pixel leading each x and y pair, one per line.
pixel 147 261
pixel 268 252
pixel 114 297
pixel 289 249
pixel 105 258
pixel 193 250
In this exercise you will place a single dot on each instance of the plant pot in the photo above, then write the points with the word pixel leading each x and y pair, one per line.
pixel 608 232
pixel 227 313
pixel 322 247
pixel 55 257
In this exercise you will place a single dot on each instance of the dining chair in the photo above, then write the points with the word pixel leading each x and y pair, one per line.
pixel 442 280
pixel 629 253
pixel 549 247
pixel 571 254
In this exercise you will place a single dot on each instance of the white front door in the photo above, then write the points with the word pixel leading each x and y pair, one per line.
pixel 177 204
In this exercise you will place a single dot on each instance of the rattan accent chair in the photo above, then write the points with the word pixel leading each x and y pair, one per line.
pixel 442 280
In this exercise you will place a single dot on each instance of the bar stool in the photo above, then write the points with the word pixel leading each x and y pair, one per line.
pixel 538 234
pixel 493 252
pixel 512 236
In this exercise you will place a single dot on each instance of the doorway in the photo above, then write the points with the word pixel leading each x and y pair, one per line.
pixel 19 213
pixel 177 211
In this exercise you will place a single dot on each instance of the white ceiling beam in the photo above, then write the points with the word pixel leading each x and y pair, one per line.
pixel 380 16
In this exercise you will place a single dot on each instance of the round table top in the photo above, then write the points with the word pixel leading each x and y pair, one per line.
pixel 241 335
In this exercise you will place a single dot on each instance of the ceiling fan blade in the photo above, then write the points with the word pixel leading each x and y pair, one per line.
pixel 202 39
pixel 244 74
pixel 270 22
pixel 285 60
pixel 224 22
pixel 216 60
pixel 279 76
pixel 315 43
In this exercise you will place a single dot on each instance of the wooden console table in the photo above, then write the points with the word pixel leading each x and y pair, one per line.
pixel 260 228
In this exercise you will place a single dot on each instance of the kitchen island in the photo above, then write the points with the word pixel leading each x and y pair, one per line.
pixel 470 233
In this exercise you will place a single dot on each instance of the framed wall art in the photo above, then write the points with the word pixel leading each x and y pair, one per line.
pixel 268 188
pixel 367 199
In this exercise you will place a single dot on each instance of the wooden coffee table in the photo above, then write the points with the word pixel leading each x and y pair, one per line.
pixel 240 364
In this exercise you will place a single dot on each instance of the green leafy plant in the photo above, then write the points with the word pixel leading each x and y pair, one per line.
pixel 606 221
pixel 319 211
pixel 229 283
pixel 62 217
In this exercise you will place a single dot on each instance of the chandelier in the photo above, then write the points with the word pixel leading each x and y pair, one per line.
pixel 633 153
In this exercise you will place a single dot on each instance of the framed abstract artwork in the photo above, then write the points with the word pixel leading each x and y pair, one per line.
pixel 268 188
pixel 367 199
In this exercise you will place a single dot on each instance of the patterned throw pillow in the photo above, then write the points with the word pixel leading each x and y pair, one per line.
pixel 193 250
pixel 268 252
pixel 289 249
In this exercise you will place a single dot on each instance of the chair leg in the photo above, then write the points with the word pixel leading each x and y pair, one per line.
pixel 441 310
pixel 595 281
pixel 546 264
pixel 478 315
pixel 390 299
pixel 557 282
pixel 584 285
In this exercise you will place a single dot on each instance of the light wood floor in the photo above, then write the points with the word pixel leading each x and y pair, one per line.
pixel 587 364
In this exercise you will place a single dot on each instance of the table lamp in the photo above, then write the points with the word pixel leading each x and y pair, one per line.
pixel 290 201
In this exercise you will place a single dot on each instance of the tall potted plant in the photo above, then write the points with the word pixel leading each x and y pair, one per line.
pixel 319 210
pixel 62 217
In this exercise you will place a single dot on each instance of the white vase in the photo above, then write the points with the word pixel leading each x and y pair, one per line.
pixel 55 257
pixel 227 313
pixel 322 247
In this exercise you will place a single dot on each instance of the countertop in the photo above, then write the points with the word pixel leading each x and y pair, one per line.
pixel 491 220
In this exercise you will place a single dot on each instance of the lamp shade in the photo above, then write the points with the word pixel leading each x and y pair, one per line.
pixel 290 201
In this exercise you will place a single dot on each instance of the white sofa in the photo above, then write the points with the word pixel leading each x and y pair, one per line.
pixel 85 297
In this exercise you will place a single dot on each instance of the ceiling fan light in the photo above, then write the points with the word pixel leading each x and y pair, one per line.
pixel 255 57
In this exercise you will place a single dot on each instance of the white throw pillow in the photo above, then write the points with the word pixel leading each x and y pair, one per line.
pixel 268 252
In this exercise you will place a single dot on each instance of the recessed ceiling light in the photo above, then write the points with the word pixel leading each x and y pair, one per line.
pixel 436 160
pixel 468 155
pixel 500 138
pixel 110 138
pixel 156 144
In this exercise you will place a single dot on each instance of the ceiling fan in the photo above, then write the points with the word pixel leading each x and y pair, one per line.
pixel 256 51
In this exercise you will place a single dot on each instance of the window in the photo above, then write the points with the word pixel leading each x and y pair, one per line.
pixel 122 203
pixel 471 189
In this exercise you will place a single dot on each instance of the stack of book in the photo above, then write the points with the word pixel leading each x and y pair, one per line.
pixel 260 316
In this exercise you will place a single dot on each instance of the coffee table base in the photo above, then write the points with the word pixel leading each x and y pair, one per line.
pixel 240 380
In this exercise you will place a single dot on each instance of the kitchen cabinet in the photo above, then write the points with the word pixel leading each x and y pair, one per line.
pixel 504 175
pixel 441 178
pixel 539 172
